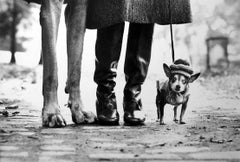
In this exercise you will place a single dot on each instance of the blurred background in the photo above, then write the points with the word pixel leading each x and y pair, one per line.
pixel 211 40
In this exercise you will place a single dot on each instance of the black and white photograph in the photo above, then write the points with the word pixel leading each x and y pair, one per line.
pixel 119 80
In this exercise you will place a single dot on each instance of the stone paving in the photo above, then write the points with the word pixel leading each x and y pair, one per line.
pixel 94 143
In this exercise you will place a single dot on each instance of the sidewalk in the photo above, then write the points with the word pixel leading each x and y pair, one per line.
pixel 212 132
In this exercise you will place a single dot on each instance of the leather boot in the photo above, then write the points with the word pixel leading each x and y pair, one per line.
pixel 133 114
pixel 137 60
pixel 108 49
pixel 107 109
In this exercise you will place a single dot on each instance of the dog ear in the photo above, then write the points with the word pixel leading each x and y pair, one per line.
pixel 167 70
pixel 194 77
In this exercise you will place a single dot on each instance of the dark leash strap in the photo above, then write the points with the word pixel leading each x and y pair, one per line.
pixel 171 30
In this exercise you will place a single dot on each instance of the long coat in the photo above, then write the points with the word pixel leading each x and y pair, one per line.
pixel 102 13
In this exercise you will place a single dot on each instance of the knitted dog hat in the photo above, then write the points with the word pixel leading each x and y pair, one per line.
pixel 181 67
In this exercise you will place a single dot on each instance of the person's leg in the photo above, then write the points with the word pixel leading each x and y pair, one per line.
pixel 136 67
pixel 75 17
pixel 108 49
pixel 49 18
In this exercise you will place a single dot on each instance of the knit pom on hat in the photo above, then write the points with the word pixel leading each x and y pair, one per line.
pixel 181 67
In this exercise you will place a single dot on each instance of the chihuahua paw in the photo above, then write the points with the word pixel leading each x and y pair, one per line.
pixel 175 120
pixel 182 122
pixel 158 120
pixel 162 123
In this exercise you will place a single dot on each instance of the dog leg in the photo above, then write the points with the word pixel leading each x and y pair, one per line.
pixel 161 112
pixel 75 16
pixel 175 114
pixel 158 114
pixel 184 107
pixel 49 19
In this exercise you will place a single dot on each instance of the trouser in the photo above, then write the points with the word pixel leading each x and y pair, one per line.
pixel 138 54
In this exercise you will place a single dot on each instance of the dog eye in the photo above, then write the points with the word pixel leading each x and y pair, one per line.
pixel 184 81
pixel 174 79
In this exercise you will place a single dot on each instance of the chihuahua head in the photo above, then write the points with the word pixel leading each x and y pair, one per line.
pixel 180 74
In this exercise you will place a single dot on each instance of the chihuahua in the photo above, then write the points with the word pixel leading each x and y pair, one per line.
pixel 175 90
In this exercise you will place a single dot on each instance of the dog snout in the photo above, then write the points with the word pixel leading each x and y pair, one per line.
pixel 177 88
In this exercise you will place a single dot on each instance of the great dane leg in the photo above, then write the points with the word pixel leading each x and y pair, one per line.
pixel 75 16
pixel 49 19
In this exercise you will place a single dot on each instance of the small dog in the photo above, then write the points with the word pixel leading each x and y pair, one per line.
pixel 175 91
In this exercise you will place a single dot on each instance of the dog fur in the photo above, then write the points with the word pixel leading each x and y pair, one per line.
pixel 174 91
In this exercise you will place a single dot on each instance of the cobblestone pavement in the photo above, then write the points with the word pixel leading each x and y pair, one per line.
pixel 212 132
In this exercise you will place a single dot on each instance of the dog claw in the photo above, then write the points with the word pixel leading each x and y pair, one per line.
pixel 78 117
pixel 84 117
pixel 54 121
pixel 81 117
pixel 89 117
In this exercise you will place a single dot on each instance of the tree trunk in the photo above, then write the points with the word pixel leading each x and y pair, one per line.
pixel 13 33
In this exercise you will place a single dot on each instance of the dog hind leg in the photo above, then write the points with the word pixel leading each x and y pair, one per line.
pixel 75 16
pixel 49 18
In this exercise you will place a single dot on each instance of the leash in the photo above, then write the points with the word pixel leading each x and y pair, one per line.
pixel 171 30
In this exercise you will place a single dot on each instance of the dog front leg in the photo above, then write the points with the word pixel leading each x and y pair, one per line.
pixel 184 107
pixel 49 18
pixel 175 114
pixel 75 16
pixel 161 113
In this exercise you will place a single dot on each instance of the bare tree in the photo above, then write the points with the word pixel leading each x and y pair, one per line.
pixel 12 12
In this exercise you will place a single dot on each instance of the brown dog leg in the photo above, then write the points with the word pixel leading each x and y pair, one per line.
pixel 75 16
pixel 49 19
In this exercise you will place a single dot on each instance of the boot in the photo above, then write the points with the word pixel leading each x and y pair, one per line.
pixel 106 107
pixel 137 60
pixel 108 49
pixel 132 107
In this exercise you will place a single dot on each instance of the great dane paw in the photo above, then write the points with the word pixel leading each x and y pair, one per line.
pixel 53 121
pixel 78 117
pixel 81 117
pixel 89 117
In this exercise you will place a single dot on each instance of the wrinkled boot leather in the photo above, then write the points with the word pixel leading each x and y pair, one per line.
pixel 137 60
pixel 107 109
pixel 133 114
pixel 108 49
